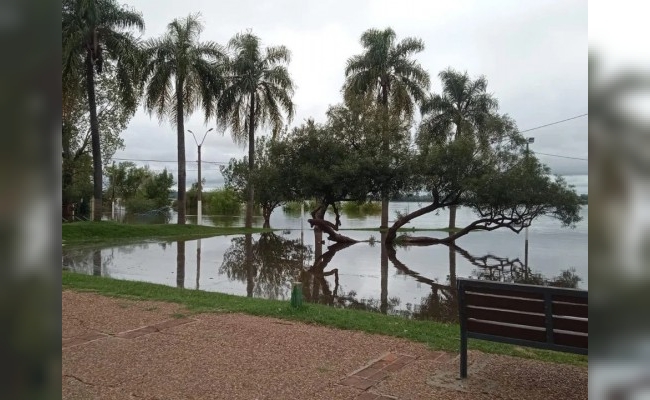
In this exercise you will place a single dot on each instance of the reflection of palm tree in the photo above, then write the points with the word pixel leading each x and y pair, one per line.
pixel 97 262
pixel 180 264
pixel 384 274
pixel 248 262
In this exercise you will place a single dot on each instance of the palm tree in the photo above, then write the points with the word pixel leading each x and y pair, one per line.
pixel 94 32
pixel 259 90
pixel 182 74
pixel 464 108
pixel 386 71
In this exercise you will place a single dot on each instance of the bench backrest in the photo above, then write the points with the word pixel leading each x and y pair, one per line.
pixel 529 315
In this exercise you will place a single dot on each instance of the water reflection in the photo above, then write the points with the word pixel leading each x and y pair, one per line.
pixel 268 265
pixel 180 264
pixel 415 282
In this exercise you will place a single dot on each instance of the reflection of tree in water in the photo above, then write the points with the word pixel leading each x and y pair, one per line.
pixel 442 303
pixel 316 288
pixel 85 261
pixel 273 262
pixel 501 269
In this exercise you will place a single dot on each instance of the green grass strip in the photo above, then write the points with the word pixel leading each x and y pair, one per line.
pixel 108 231
pixel 438 336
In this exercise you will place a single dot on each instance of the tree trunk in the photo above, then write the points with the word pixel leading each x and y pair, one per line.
pixel 67 180
pixel 452 217
pixel 392 231
pixel 94 134
pixel 180 131
pixel 251 164
pixel 452 265
pixel 326 227
pixel 452 209
pixel 266 213
pixel 453 236
pixel 386 150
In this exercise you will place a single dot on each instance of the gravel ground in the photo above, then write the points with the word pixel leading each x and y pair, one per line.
pixel 234 356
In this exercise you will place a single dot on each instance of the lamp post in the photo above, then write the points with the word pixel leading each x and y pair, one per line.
pixel 530 140
pixel 199 208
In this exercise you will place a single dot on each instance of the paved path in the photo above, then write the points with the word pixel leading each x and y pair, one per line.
pixel 123 349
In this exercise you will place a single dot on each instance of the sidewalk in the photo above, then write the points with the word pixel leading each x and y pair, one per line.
pixel 123 349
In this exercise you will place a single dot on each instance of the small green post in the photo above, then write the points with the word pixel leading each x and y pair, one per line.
pixel 296 294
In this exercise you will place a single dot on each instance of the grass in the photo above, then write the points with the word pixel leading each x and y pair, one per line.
pixel 438 336
pixel 108 231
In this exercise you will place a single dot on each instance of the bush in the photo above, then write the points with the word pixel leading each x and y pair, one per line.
pixel 222 202
pixel 354 208
pixel 139 205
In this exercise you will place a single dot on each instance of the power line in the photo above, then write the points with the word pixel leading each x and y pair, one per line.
pixel 166 161
pixel 525 130
pixel 554 123
pixel 557 155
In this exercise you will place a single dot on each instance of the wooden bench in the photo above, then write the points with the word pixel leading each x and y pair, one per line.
pixel 525 315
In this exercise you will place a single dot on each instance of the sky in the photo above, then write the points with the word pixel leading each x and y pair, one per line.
pixel 533 54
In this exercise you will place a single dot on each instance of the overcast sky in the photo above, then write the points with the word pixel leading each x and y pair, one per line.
pixel 534 55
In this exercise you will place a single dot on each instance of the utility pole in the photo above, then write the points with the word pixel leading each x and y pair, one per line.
pixel 530 140
pixel 199 208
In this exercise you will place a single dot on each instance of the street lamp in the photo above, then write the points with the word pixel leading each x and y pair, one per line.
pixel 529 141
pixel 199 206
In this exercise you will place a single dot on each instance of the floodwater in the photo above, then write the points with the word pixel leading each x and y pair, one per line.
pixel 414 281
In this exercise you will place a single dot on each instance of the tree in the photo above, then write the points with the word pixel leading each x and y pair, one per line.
pixel 258 91
pixel 464 108
pixel 266 177
pixel 182 74
pixel 507 189
pixel 140 188
pixel 94 31
pixel 386 72
pixel 112 116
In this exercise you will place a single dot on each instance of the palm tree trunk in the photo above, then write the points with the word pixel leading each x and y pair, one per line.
pixel 386 150
pixel 94 134
pixel 251 164
pixel 452 209
pixel 452 217
pixel 180 131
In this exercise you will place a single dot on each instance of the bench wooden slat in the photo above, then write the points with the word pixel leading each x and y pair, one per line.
pixel 507 293
pixel 504 303
pixel 536 320
pixel 571 324
pixel 570 310
pixel 569 339
pixel 584 300
pixel 509 331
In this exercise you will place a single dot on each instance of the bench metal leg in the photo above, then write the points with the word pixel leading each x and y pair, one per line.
pixel 463 354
